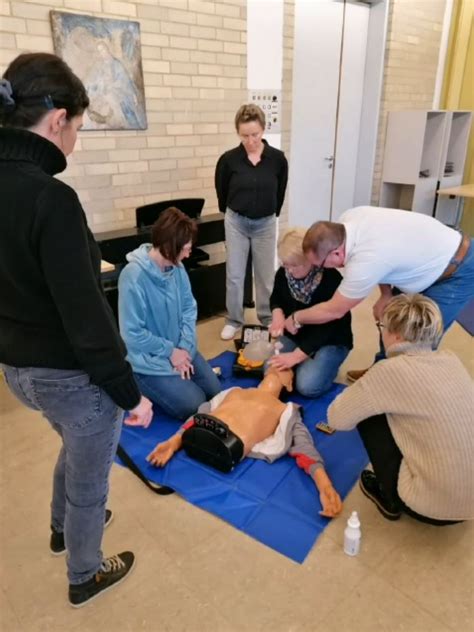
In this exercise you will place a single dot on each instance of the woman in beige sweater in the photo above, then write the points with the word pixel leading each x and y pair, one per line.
pixel 414 413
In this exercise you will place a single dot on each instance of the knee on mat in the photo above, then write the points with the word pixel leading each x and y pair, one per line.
pixel 312 391
pixel 213 392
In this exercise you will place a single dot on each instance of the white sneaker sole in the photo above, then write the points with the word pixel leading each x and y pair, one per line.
pixel 230 335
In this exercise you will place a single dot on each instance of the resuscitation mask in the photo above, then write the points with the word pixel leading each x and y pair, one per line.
pixel 261 350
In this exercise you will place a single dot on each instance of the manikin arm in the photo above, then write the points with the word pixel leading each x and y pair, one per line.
pixel 330 500
pixel 309 459
pixel 164 451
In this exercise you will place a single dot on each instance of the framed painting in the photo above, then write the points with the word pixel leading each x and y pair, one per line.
pixel 105 54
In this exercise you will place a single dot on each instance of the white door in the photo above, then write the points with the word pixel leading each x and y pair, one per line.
pixel 317 49
pixel 331 73
pixel 350 152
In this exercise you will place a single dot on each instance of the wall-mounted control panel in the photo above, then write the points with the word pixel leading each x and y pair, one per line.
pixel 270 102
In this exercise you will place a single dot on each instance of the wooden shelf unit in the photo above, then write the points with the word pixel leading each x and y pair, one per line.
pixel 424 151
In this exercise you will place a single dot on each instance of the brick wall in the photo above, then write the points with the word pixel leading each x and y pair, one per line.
pixel 194 65
pixel 411 62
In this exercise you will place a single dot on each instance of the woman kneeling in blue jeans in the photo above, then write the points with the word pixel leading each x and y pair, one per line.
pixel 157 313
pixel 316 351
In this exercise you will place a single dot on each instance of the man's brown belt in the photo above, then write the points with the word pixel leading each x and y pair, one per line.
pixel 457 258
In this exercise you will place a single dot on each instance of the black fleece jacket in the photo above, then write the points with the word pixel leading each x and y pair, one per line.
pixel 310 338
pixel 53 312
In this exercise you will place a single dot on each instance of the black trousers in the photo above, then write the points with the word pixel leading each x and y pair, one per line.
pixel 386 458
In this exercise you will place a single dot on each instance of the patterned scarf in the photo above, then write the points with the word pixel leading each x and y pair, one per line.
pixel 302 289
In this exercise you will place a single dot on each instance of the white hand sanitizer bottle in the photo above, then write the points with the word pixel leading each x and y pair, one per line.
pixel 352 535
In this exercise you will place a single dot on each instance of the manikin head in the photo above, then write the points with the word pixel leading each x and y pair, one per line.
pixel 276 379
pixel 325 244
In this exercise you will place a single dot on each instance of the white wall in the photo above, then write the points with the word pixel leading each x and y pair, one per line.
pixel 265 49
pixel 373 82
pixel 351 98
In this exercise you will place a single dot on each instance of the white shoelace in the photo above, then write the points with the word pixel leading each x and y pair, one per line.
pixel 112 564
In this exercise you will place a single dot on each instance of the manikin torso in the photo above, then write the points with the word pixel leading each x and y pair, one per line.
pixel 253 413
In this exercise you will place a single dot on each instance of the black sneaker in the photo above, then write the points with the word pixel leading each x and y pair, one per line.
pixel 56 542
pixel 370 488
pixel 112 571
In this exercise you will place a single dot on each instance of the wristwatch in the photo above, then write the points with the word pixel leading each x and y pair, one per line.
pixel 296 323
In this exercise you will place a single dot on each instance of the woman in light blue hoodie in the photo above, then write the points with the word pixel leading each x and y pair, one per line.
pixel 157 314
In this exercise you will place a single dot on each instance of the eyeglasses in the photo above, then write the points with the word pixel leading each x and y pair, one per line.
pixel 380 326
pixel 320 268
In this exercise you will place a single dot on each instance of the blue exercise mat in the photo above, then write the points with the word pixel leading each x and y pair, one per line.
pixel 276 504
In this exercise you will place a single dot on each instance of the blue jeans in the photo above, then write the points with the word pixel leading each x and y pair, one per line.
pixel 451 295
pixel 315 375
pixel 455 292
pixel 177 397
pixel 241 235
pixel 89 424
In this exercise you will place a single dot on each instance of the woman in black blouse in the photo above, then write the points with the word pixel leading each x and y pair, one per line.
pixel 316 351
pixel 250 184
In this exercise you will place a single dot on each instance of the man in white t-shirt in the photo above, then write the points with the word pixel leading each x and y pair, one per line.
pixel 397 250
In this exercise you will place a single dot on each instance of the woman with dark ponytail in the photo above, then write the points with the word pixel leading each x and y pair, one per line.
pixel 59 345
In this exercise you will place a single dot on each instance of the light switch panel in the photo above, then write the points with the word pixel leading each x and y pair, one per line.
pixel 270 102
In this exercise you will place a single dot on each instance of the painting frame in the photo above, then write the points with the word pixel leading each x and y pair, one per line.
pixel 105 53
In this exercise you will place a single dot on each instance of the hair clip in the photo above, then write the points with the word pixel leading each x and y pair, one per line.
pixel 6 95
pixel 48 101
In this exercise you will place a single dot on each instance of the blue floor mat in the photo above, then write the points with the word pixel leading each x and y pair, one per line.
pixel 276 504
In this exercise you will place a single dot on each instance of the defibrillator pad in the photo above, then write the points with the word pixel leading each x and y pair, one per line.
pixel 212 442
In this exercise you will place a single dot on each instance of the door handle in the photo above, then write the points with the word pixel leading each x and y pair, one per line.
pixel 330 160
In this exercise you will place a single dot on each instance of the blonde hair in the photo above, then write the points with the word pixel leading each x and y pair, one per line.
pixel 248 113
pixel 290 246
pixel 323 237
pixel 414 317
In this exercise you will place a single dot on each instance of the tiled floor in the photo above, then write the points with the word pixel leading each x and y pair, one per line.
pixel 196 573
